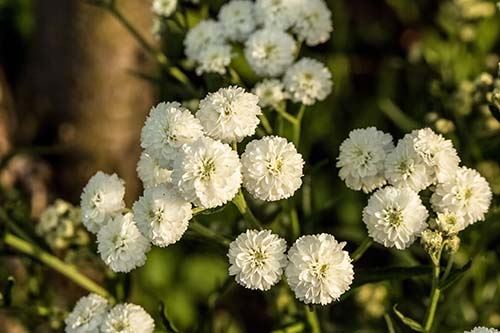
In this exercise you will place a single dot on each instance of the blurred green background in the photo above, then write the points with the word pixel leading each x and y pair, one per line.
pixel 75 89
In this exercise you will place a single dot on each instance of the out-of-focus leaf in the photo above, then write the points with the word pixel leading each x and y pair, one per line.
pixel 495 112
pixel 455 276
pixel 391 273
pixel 165 321
pixel 6 296
pixel 411 323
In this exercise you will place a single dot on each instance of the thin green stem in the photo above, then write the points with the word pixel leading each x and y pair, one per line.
pixel 389 323
pixel 281 109
pixel 240 203
pixel 294 218
pixel 265 123
pixel 312 319
pixel 449 266
pixel 56 264
pixel 292 328
pixel 297 125
pixel 365 245
pixel 434 296
pixel 208 233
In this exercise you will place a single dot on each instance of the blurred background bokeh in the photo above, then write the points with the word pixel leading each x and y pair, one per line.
pixel 75 88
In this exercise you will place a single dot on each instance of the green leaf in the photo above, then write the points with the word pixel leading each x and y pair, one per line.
pixel 365 276
pixel 165 321
pixel 455 275
pixel 411 323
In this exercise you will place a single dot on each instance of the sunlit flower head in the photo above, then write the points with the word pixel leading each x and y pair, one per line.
pixel 270 92
pixel 87 315
pixel 238 19
pixel 150 172
pixel 314 22
pixel 308 81
pixel 128 318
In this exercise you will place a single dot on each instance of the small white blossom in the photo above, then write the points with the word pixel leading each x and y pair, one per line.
pixel 162 215
pixel 121 245
pixel 229 114
pixel 395 217
pixel 319 271
pixel 270 92
pixel 272 168
pixel 481 329
pixel 204 34
pixel 164 8
pixel 314 22
pixel 270 52
pixel 207 173
pixel 276 14
pixel 361 159
pixel 102 198
pixel 150 172
pixel 214 59
pixel 437 152
pixel 87 315
pixel 257 259
pixel 238 19
pixel 128 318
pixel 169 126
pixel 308 81
pixel 450 222
pixel 466 193
pixel 405 167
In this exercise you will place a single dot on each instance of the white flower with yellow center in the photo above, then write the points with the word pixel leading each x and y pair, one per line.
pixel 87 315
pixel 204 34
pixel 318 270
pixel 257 259
pixel 229 114
pixel 272 168
pixel 270 92
pixel 467 193
pixel 238 19
pixel 128 318
pixel 162 215
pixel 481 329
pixel 314 22
pixel 214 59
pixel 101 199
pixel 207 173
pixel 270 52
pixel 362 157
pixel 276 14
pixel 395 217
pixel 150 172
pixel 121 244
pixel 308 81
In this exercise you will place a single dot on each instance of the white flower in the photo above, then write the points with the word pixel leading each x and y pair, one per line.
pixel 467 193
pixel 319 271
pixel 128 318
pixel 204 34
pixel 238 19
pixel 314 22
pixel 437 152
pixel 121 245
pixel 405 167
pixel 168 126
pixel 101 199
pixel 257 259
pixel 272 168
pixel 162 215
pixel 87 315
pixel 207 173
pixel 214 59
pixel 150 172
pixel 450 222
pixel 229 114
pixel 395 217
pixel 270 92
pixel 275 14
pixel 164 8
pixel 361 159
pixel 481 329
pixel 270 52
pixel 308 81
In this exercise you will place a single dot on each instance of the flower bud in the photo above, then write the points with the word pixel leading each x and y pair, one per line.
pixel 452 244
pixel 432 241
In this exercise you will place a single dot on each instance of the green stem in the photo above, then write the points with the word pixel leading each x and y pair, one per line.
pixel 208 233
pixel 312 319
pixel 240 203
pixel 294 218
pixel 449 266
pixel 56 264
pixel 285 115
pixel 388 322
pixel 297 125
pixel 265 123
pixel 292 328
pixel 365 245
pixel 434 297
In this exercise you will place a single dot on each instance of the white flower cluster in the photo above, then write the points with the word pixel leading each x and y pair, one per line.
pixel 266 30
pixel 317 268
pixel 187 160
pixel 481 329
pixel 395 215
pixel 93 313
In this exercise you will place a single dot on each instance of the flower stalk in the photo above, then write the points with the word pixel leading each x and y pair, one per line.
pixel 361 249
pixel 240 202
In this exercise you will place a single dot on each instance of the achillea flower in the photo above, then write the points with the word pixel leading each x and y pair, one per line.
pixel 87 315
pixel 128 318
pixel 308 81
pixel 270 92
pixel 150 172
pixel 361 159
pixel 313 23
pixel 257 259
pixel 207 173
pixel 319 271
pixel 102 199
pixel 162 215
pixel 121 245
pixel 272 168
pixel 238 19
pixel 276 14
pixel 204 34
pixel 214 59
pixel 481 329
pixel 229 114
pixel 395 217
pixel 164 8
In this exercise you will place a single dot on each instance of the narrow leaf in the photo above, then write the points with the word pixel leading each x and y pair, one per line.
pixel 165 321
pixel 411 323
pixel 455 275
pixel 390 273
